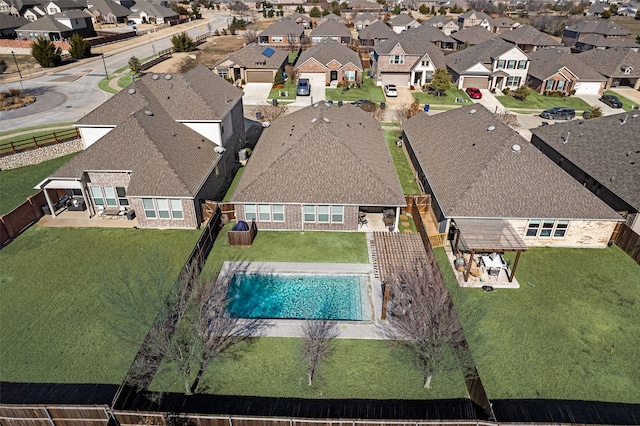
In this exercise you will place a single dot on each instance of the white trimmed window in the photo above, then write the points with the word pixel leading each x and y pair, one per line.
pixel 264 212
pixel 316 39
pixel 277 212
pixel 501 63
pixel 223 73
pixel 337 214
pixel 121 192
pixel 309 213
pixel 549 85
pixel 250 212
pixel 425 63
pixel 560 85
pixel 350 75
pixel 324 214
pixel 513 81
pixel 538 228
pixel 396 59
pixel 162 208
pixel 105 196
pixel 522 65
pixel 511 64
pixel 276 39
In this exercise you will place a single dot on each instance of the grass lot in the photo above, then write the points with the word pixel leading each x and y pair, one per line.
pixel 233 185
pixel 368 91
pixel 56 326
pixel 626 103
pixel 42 126
pixel 401 163
pixel 17 184
pixel 356 369
pixel 290 246
pixel 554 338
pixel 537 101
pixel 449 98
pixel 24 140
pixel 290 88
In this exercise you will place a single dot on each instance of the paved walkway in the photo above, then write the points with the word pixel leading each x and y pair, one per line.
pixel 489 101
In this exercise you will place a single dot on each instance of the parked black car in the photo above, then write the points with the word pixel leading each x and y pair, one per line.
pixel 611 100
pixel 558 113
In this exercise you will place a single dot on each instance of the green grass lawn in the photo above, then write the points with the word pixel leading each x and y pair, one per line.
pixel 125 80
pixel 42 126
pixel 627 104
pixel 356 369
pixel 537 101
pixel 290 246
pixel 233 185
pixel 17 184
pixel 289 88
pixel 553 338
pixel 368 90
pixel 449 98
pixel 401 163
pixel 104 86
pixel 56 326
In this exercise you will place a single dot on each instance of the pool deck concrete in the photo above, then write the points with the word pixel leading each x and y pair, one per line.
pixel 371 329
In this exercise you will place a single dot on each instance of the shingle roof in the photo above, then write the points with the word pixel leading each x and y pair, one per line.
pixel 152 9
pixel 483 53
pixel 604 148
pixel 9 21
pixel 598 40
pixel 331 28
pixel 165 158
pixel 546 62
pixel 611 62
pixel 198 94
pixel 474 172
pixel 469 14
pixel 46 23
pixel 108 6
pixel 473 35
pixel 377 30
pixel 608 28
pixel 251 56
pixel 67 4
pixel 501 22
pixel 295 16
pixel 302 158
pixel 71 14
pixel 431 34
pixel 527 34
pixel 599 7
pixel 413 44
pixel 402 19
pixel 436 20
pixel 366 16
pixel 328 51
pixel 283 27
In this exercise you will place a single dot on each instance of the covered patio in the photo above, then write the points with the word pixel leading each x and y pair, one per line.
pixel 478 245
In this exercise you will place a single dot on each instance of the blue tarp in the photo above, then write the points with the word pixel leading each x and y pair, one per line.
pixel 241 226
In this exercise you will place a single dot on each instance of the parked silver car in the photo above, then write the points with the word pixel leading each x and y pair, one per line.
pixel 304 87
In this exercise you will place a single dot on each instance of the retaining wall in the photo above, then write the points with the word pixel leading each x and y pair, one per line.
pixel 36 156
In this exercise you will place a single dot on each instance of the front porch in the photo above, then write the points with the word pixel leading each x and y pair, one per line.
pixel 81 219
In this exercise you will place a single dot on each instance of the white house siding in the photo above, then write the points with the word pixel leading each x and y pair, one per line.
pixel 208 129
pixel 580 234
pixel 293 220
pixel 517 55
pixel 91 134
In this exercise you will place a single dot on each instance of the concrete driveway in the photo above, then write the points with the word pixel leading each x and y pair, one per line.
pixel 256 93
pixel 629 93
pixel 404 99
pixel 318 87
pixel 594 101
pixel 489 101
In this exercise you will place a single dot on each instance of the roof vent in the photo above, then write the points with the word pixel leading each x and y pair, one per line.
pixel 624 120
pixel 314 119
pixel 491 128
pixel 326 120
pixel 132 91
pixel 149 113
pixel 473 111
pixel 155 76
pixel 167 77
pixel 328 104
pixel 516 148
pixel 635 116
pixel 266 124
pixel 316 104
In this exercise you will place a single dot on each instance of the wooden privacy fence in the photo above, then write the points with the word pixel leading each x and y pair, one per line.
pixel 629 241
pixel 162 56
pixel 26 143
pixel 17 220
pixel 106 38
pixel 54 415
pixel 418 206
pixel 243 238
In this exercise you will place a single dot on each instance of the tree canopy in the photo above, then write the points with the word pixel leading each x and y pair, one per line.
pixel 183 43
pixel 79 47
pixel 46 53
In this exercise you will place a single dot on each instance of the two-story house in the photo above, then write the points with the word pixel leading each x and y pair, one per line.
pixel 107 11
pixel 363 20
pixel 58 27
pixel 282 33
pixel 473 18
pixel 494 64
pixel 443 23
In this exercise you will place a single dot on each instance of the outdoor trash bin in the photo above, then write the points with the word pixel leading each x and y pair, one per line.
pixel 131 214
pixel 46 210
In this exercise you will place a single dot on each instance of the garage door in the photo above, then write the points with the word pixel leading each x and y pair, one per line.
pixel 260 76
pixel 586 88
pixel 318 84
pixel 479 82
pixel 400 80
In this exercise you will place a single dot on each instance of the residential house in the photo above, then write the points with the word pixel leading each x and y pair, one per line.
pixel 303 20
pixel 58 6
pixel 621 67
pixel 493 64
pixel 107 11
pixel 375 34
pixel 364 6
pixel 5 7
pixel 431 34
pixel 443 23
pixel 319 168
pixel 363 20
pixel 330 30
pixel 34 13
pixel 573 34
pixel 160 148
pixel 147 12
pixel 20 7
pixel 598 41
pixel 597 8
pixel 553 70
pixel 332 17
pixel 629 8
pixel 406 60
pixel 58 27
pixel 601 154
pixel 473 18
pixel 282 33
pixel 253 64
pixel 332 60
pixel 9 24
pixel 402 23
pixel 499 176
pixel 471 36
pixel 502 24
pixel 529 39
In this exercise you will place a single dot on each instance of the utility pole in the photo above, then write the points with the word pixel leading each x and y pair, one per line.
pixel 16 61
pixel 106 73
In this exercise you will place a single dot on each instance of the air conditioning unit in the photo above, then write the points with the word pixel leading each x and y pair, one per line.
pixel 219 149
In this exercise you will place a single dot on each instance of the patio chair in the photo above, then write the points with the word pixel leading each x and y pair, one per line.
pixel 122 212
pixel 494 272
pixel 101 211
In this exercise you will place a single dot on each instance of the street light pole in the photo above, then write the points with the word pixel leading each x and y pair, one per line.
pixel 106 73
pixel 16 61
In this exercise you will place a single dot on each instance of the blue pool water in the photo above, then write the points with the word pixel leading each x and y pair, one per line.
pixel 296 296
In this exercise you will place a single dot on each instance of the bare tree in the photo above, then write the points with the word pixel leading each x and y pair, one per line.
pixel 422 318
pixel 250 36
pixel 405 112
pixel 318 337
pixel 292 42
pixel 270 112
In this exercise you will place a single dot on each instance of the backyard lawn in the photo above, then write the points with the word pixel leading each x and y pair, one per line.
pixel 17 184
pixel 449 98
pixel 571 331
pixel 537 101
pixel 368 90
pixel 401 163
pixel 57 324
pixel 356 369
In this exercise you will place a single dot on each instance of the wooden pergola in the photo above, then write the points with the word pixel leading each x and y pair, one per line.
pixel 487 236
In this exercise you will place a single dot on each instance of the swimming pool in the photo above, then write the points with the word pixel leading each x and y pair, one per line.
pixel 298 296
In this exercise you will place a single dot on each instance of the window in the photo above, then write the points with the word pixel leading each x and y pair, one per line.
pixel 350 75
pixel 547 228
pixel 277 211
pixel 176 209
pixel 522 65
pixel 121 192
pixel 560 85
pixel 561 229
pixel 513 81
pixel 532 229
pixel 250 212
pixel 337 214
pixel 500 63
pixel 396 59
pixel 223 73
pixel 110 196
pixel 316 39
pixel 96 194
pixel 309 213
pixel 549 85
pixel 425 62
pixel 149 208
pixel 162 208
pixel 264 213
pixel 511 64
pixel 323 214
pixel 334 38
pixel 276 39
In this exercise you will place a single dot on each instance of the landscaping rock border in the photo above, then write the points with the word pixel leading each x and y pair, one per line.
pixel 38 155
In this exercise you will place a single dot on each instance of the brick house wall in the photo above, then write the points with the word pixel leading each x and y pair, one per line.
pixel 190 220
pixel 293 220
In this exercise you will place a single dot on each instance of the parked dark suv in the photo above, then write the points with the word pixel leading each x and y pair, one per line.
pixel 612 101
pixel 558 113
